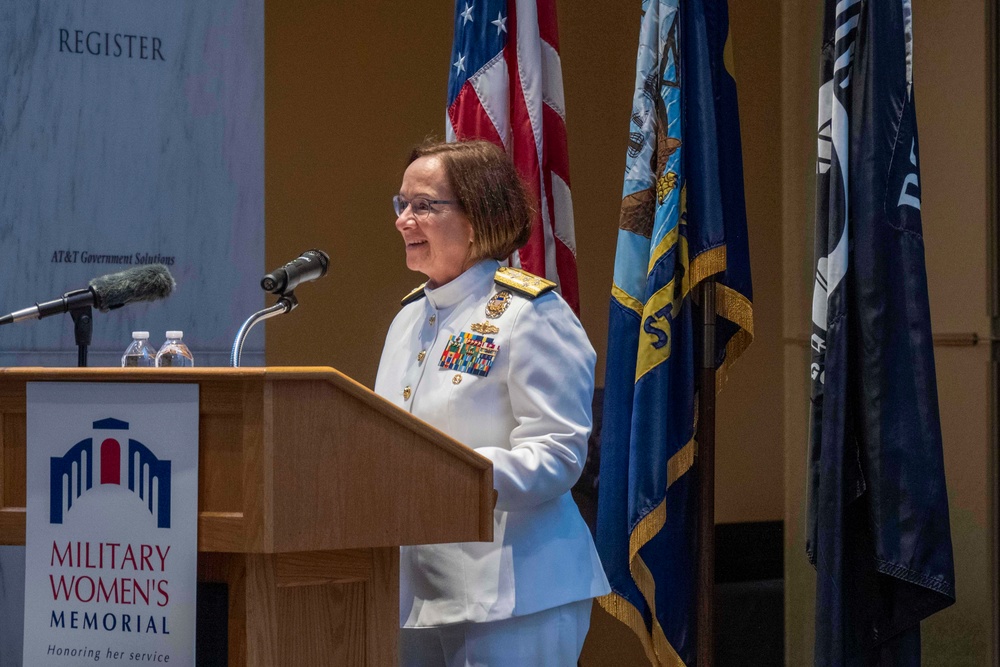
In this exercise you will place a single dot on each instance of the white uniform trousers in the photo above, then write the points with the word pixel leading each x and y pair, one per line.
pixel 550 638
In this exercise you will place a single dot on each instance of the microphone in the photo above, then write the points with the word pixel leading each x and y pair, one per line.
pixel 142 283
pixel 310 265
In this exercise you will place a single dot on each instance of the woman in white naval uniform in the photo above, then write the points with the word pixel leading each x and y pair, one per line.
pixel 494 358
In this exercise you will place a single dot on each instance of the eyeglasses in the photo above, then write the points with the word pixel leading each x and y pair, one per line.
pixel 420 206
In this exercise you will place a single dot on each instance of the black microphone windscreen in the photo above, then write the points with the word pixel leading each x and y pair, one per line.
pixel 142 283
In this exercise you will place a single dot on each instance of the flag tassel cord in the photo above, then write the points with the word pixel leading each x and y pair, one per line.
pixel 706 478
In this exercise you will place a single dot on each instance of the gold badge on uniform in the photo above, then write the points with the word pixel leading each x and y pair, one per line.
pixel 485 328
pixel 497 304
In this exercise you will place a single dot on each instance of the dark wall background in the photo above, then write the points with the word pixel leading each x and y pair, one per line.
pixel 350 88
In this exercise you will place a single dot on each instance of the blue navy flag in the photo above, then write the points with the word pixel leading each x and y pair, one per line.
pixel 878 529
pixel 683 219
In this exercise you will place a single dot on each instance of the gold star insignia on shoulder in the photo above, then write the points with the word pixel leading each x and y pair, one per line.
pixel 413 296
pixel 522 282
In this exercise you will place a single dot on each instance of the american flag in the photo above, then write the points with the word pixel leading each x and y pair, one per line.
pixel 505 86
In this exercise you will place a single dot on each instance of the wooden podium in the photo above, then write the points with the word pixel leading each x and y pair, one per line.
pixel 308 483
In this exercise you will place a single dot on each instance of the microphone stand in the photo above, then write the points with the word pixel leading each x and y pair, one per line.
pixel 79 305
pixel 83 328
pixel 286 303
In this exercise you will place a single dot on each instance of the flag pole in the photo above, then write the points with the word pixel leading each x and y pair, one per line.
pixel 706 479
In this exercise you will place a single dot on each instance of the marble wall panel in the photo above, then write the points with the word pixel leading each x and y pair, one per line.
pixel 131 131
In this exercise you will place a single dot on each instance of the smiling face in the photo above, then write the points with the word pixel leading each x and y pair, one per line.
pixel 438 245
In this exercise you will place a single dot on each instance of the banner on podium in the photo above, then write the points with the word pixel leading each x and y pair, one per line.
pixel 112 519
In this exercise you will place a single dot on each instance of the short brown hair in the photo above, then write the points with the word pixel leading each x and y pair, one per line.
pixel 490 192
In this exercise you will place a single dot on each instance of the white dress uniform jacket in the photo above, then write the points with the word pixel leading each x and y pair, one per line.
pixel 531 416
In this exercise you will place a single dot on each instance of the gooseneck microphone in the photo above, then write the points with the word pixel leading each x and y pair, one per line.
pixel 142 283
pixel 311 265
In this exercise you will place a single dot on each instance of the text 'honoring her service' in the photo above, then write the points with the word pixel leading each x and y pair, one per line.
pixel 95 654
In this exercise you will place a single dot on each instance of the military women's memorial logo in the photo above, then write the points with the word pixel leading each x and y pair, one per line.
pixel 112 523
pixel 74 471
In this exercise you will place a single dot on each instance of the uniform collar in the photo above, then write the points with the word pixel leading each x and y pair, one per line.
pixel 473 281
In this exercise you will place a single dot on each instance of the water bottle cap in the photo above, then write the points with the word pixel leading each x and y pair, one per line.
pixel 140 335
pixel 175 334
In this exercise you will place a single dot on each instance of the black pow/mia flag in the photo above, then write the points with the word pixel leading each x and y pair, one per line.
pixel 878 529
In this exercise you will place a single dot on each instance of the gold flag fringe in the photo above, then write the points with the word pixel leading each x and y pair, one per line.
pixel 736 308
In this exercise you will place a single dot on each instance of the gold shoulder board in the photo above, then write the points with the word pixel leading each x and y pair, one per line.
pixel 522 282
pixel 413 296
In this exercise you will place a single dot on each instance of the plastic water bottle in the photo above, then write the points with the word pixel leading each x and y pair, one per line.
pixel 174 352
pixel 139 354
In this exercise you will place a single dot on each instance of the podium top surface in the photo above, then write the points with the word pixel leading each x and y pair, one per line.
pixel 291 459
pixel 99 374
pixel 326 374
